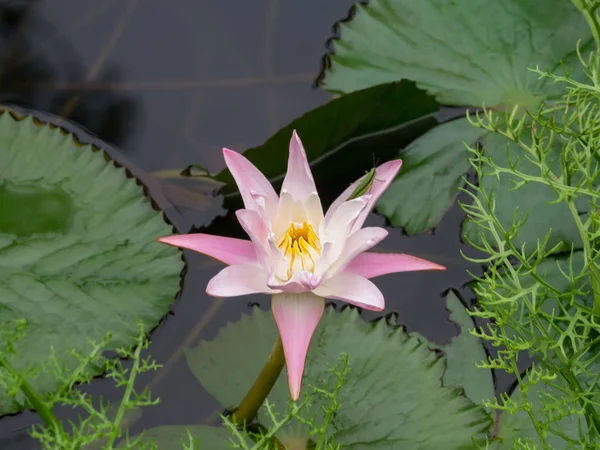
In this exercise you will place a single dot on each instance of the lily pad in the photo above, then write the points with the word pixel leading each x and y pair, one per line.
pixel 463 353
pixel 552 270
pixel 173 437
pixel 326 129
pixel 432 171
pixel 463 52
pixel 78 251
pixel 519 425
pixel 393 396
pixel 532 199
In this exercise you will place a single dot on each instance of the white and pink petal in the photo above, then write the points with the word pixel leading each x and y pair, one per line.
pixel 340 224
pixel 225 249
pixel 359 242
pixel 314 210
pixel 297 317
pixel 371 265
pixel 240 279
pixel 298 179
pixel 301 281
pixel 289 210
pixel 384 175
pixel 334 234
pixel 250 180
pixel 353 289
pixel 258 232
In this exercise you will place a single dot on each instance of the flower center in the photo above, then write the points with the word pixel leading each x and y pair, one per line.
pixel 301 246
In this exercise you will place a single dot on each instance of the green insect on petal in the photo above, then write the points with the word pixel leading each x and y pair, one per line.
pixel 364 186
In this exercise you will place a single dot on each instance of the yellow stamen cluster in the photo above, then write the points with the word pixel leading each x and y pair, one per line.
pixel 301 246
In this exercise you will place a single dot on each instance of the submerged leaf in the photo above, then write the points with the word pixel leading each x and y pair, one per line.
pixel 78 251
pixel 327 128
pixel 393 397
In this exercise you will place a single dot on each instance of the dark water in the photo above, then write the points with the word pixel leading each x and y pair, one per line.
pixel 162 84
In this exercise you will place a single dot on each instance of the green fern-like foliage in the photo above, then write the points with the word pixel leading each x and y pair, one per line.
pixel 544 302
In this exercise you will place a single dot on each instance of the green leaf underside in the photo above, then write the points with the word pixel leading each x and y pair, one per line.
pixel 78 250
pixel 531 199
pixel 432 170
pixel 170 437
pixel 462 353
pixel 463 52
pixel 326 128
pixel 393 396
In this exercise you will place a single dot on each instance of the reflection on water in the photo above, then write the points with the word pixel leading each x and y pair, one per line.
pixel 37 55
pixel 166 84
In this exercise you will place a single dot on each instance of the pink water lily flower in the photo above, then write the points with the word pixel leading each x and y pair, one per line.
pixel 297 254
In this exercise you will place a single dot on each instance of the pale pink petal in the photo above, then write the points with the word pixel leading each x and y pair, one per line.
pixel 342 198
pixel 298 180
pixel 266 209
pixel 329 254
pixel 384 175
pixel 353 289
pixel 340 224
pixel 289 210
pixel 249 180
pixel 361 241
pixel 297 317
pixel 239 279
pixel 254 225
pixel 300 281
pixel 279 263
pixel 334 234
pixel 370 265
pixel 314 210
pixel 225 249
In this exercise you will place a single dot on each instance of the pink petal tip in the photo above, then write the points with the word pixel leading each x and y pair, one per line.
pixel 297 317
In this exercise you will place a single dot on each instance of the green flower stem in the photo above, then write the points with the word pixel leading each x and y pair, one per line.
pixel 42 409
pixel 261 387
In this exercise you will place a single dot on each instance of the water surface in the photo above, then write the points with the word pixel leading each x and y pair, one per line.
pixel 162 84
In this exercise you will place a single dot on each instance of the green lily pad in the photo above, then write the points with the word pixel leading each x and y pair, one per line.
pixel 533 199
pixel 173 437
pixel 432 171
pixel 462 353
pixel 519 424
pixel 78 250
pixel 552 270
pixel 463 52
pixel 393 396
pixel 326 129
